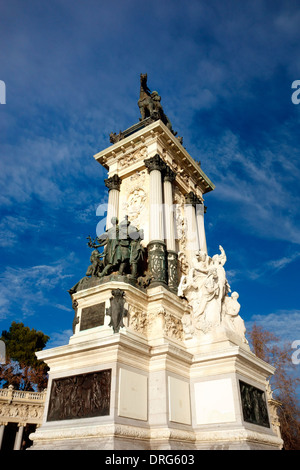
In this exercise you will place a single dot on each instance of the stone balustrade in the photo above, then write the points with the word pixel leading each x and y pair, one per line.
pixel 21 408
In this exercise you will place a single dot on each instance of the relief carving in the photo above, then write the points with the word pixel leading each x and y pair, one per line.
pixel 180 220
pixel 80 396
pixel 162 320
pixel 137 320
pixel 23 412
pixel 173 327
pixel 131 158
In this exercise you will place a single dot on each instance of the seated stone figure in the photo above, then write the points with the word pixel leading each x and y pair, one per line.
pixel 205 287
pixel 230 315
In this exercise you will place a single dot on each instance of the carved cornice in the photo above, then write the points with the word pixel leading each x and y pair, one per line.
pixel 191 198
pixel 114 182
pixel 155 163
pixel 184 165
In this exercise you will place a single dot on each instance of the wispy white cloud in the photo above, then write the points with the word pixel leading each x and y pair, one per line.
pixel 284 324
pixel 11 227
pixel 267 269
pixel 260 183
pixel 60 338
pixel 25 290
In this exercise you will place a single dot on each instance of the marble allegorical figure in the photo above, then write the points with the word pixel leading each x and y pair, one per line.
pixel 206 289
pixel 230 314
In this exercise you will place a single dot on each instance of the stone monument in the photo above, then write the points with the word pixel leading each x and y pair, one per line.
pixel 158 358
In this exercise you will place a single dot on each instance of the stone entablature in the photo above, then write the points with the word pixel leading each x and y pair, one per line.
pixel 131 152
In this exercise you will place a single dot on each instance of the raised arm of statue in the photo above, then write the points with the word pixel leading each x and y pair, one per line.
pixel 98 242
pixel 222 256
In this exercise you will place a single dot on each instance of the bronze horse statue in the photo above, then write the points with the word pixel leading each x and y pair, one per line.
pixel 145 103
pixel 150 106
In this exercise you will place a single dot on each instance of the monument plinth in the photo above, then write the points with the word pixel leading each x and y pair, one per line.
pixel 158 358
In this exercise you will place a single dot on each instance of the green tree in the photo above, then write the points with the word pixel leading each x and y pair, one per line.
pixel 284 383
pixel 22 369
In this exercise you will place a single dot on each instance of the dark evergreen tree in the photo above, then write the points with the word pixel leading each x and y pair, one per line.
pixel 22 368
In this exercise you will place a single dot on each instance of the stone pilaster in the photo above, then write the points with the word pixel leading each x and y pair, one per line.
pixel 172 259
pixel 191 201
pixel 169 177
pixel 200 211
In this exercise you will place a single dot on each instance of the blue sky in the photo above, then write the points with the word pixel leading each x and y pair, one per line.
pixel 224 70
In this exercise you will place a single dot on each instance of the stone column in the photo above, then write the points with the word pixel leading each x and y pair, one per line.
pixel 156 246
pixel 19 436
pixel 113 184
pixel 192 230
pixel 2 428
pixel 200 211
pixel 169 177
pixel 155 166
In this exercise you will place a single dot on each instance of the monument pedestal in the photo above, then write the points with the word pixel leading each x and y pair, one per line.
pixel 146 387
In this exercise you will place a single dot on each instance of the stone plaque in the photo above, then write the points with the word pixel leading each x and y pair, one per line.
pixel 92 316
pixel 179 401
pixel 254 405
pixel 80 396
pixel 133 395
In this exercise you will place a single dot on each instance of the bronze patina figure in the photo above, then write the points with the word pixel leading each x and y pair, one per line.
pixel 122 254
pixel 145 102
pixel 151 110
pixel 117 311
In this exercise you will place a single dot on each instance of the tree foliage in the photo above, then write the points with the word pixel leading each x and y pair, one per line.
pixel 284 383
pixel 22 368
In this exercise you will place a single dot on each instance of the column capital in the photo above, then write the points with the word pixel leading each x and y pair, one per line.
pixel 155 163
pixel 191 198
pixel 114 182
pixel 169 175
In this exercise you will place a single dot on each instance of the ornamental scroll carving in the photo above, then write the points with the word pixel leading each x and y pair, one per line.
pixel 180 220
pixel 137 319
pixel 163 320
pixel 131 158
pixel 24 413
pixel 173 327
pixel 134 198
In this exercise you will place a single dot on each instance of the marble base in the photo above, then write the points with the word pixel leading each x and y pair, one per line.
pixel 165 392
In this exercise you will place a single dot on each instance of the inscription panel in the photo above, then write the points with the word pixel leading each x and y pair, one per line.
pixel 80 396
pixel 254 405
pixel 92 316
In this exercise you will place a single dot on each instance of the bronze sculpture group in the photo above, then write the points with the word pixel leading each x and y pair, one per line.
pixel 122 250
pixel 122 253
